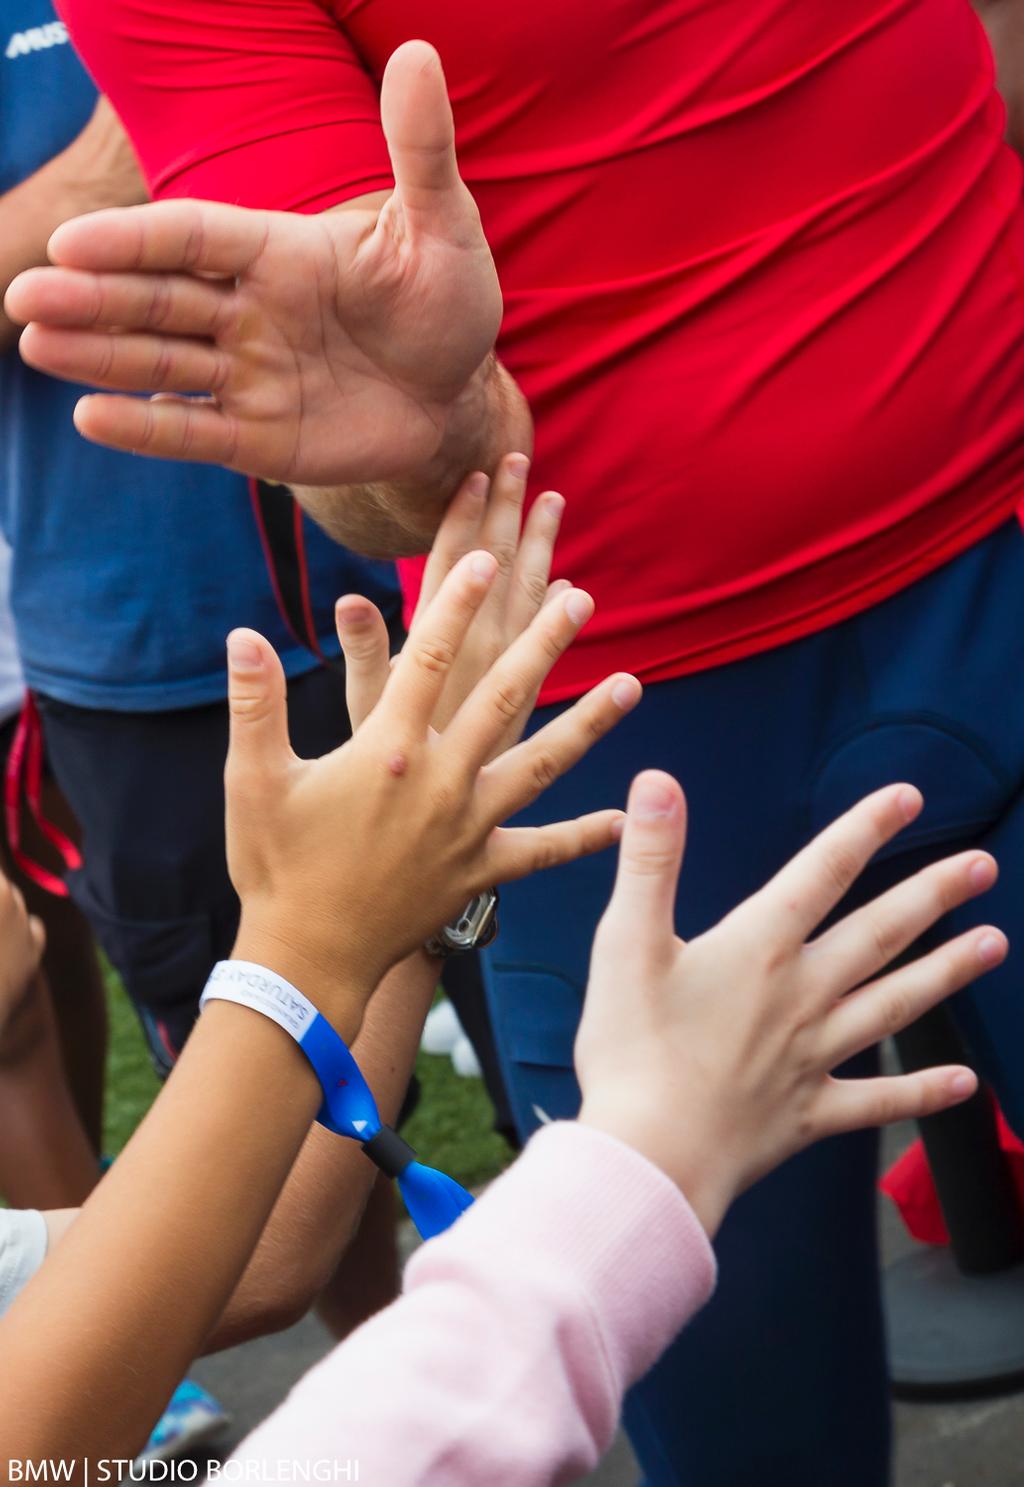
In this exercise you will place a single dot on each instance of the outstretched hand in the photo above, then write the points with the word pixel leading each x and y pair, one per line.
pixel 331 349
pixel 714 1058
pixel 346 864
pixel 485 515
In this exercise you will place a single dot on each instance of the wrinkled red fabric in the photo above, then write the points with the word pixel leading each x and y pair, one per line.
pixel 762 261
pixel 909 1184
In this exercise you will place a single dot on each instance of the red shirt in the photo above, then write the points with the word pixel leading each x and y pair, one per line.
pixel 763 267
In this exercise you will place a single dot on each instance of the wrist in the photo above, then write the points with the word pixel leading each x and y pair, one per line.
pixel 339 987
pixel 485 421
pixel 697 1169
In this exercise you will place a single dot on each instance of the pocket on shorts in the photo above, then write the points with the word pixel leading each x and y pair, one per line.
pixel 537 1012
pixel 164 963
pixel 965 789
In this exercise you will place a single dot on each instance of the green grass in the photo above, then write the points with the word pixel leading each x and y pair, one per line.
pixel 131 1082
pixel 451 1129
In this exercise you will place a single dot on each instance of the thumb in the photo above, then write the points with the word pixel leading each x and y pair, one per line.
pixel 258 715
pixel 366 647
pixel 418 126
pixel 650 857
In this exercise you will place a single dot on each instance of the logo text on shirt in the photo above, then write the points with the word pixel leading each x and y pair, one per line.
pixel 36 39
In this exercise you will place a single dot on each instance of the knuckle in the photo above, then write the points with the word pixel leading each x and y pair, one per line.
pixel 105 363
pixel 534 588
pixel 220 374
pixel 195 240
pixel 161 373
pixel 552 643
pixel 550 851
pixel 840 865
pixel 249 707
pixel 148 429
pixel 508 698
pixel 595 721
pixel 896 1013
pixel 649 861
pixel 434 654
pixel 885 934
pixel 505 553
pixel 188 431
pixel 160 303
pixel 545 770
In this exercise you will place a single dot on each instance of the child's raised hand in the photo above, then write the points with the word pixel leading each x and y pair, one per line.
pixel 483 515
pixel 347 863
pixel 714 1058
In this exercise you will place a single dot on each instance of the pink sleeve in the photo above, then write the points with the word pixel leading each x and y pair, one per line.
pixel 263 103
pixel 520 1329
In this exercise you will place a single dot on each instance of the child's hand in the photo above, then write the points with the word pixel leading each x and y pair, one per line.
pixel 484 516
pixel 22 941
pixel 713 1058
pixel 346 864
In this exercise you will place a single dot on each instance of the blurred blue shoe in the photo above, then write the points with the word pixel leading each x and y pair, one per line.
pixel 192 1418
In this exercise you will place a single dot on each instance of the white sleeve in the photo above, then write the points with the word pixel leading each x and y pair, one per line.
pixel 22 1251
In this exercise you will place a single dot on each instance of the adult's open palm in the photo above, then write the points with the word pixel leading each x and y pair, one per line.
pixel 316 350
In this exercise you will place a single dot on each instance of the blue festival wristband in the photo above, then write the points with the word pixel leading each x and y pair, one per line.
pixel 434 1201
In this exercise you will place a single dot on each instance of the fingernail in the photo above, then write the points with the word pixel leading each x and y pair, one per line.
pixel 243 653
pixel 579 606
pixel 652 800
pixel 982 873
pixel 518 466
pixel 554 504
pixel 482 565
pixel 624 692
pixel 991 949
pixel 477 484
pixel 962 1085
pixel 618 827
pixel 348 613
pixel 910 802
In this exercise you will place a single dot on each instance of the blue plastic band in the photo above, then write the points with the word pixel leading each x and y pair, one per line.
pixel 434 1201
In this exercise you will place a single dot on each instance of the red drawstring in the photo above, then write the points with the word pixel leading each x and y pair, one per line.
pixel 307 607
pixel 25 773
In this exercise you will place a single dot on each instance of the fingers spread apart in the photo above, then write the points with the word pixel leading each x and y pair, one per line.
pixel 506 694
pixel 856 1104
pixel 887 1006
pixel 518 777
pixel 866 941
pixel 799 897
pixel 429 654
pixel 518 851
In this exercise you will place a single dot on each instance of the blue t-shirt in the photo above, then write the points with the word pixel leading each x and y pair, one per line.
pixel 128 572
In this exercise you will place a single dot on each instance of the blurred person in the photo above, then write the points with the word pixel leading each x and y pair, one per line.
pixel 37 1163
pixel 774 341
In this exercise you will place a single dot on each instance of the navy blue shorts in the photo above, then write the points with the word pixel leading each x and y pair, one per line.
pixel 148 792
pixel 781 1381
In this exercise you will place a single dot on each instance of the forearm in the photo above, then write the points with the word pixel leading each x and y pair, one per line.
pixel 582 1294
pixel 45 1157
pixel 149 1264
pixel 1004 22
pixel 401 518
pixel 320 1205
pixel 90 174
